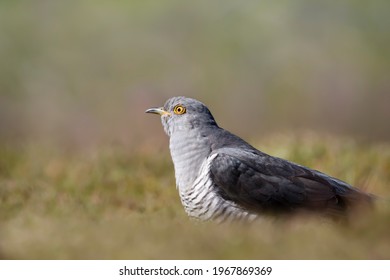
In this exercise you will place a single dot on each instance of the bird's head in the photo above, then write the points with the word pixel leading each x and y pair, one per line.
pixel 183 113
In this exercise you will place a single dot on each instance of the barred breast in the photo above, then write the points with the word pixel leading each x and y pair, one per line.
pixel 201 200
pixel 192 158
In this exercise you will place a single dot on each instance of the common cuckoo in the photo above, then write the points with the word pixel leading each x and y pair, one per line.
pixel 221 177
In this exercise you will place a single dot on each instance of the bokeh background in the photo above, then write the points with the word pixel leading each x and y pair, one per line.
pixel 83 72
pixel 78 156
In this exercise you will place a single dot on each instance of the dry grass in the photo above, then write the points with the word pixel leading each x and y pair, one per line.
pixel 113 204
pixel 81 73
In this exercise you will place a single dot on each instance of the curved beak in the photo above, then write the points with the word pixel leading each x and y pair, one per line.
pixel 159 111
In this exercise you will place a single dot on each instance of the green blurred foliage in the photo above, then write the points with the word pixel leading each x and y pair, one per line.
pixel 83 72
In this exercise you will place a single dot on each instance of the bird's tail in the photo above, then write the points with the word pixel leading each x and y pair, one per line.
pixel 357 202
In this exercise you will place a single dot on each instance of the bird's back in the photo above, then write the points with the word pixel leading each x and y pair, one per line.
pixel 266 184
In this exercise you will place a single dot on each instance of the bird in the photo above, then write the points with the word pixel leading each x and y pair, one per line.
pixel 221 177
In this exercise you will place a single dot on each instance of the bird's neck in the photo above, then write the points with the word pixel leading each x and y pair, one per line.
pixel 188 150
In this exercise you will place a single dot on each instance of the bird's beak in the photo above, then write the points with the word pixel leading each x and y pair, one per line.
pixel 159 111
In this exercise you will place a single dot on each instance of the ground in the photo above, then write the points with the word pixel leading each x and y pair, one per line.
pixel 112 203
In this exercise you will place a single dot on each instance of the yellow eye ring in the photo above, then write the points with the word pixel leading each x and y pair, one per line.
pixel 179 109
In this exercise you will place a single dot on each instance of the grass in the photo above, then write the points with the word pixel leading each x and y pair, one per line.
pixel 111 203
pixel 79 73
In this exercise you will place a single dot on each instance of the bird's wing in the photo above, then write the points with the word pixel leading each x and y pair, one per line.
pixel 262 183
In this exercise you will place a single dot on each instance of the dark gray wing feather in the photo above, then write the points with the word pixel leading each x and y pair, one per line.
pixel 263 183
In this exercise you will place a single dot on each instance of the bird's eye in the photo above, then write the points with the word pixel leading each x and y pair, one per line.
pixel 179 109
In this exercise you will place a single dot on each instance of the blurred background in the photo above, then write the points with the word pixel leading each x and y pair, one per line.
pixel 86 174
pixel 81 73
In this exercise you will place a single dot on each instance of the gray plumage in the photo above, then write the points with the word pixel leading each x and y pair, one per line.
pixel 219 176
